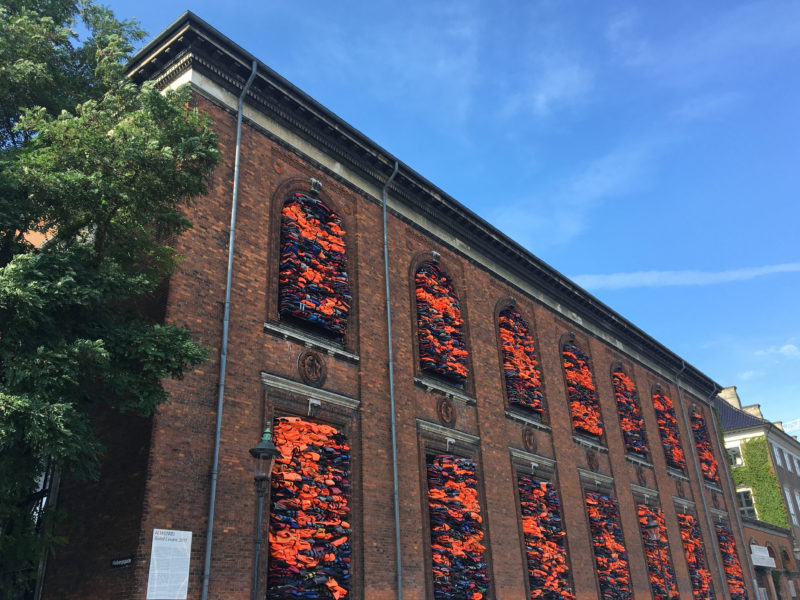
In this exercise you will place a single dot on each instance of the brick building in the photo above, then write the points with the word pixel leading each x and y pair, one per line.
pixel 541 444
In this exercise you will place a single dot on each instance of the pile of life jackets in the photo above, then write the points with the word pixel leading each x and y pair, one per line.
pixel 668 429
pixel 699 574
pixel 730 560
pixel 548 572
pixel 309 529
pixel 520 367
pixel 708 464
pixel 659 564
pixel 580 387
pixel 630 413
pixel 610 556
pixel 442 349
pixel 459 570
pixel 313 280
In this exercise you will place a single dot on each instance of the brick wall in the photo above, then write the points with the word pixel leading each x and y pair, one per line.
pixel 174 493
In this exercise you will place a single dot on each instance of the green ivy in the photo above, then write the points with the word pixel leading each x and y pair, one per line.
pixel 757 474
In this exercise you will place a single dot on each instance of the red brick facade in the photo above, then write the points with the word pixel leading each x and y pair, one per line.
pixel 171 454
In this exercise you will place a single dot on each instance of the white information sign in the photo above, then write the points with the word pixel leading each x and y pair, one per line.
pixel 760 556
pixel 169 565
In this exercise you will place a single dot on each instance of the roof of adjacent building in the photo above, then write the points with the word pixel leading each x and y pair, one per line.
pixel 731 418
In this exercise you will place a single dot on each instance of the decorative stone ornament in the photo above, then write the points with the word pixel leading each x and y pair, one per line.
pixel 446 411
pixel 529 439
pixel 313 370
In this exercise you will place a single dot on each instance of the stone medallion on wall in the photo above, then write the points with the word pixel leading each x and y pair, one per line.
pixel 529 439
pixel 446 411
pixel 312 367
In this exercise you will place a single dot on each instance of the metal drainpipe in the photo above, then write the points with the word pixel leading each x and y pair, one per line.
pixel 700 480
pixel 223 358
pixel 399 561
pixel 737 516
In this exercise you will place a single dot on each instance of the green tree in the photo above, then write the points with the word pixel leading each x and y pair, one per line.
pixel 100 168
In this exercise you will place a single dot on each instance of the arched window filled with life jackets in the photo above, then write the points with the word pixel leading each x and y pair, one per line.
pixel 442 349
pixel 545 540
pixel 699 575
pixel 656 550
pixel 708 464
pixel 313 289
pixel 523 378
pixel 668 429
pixel 611 558
pixel 730 562
pixel 309 525
pixel 630 412
pixel 581 391
pixel 457 547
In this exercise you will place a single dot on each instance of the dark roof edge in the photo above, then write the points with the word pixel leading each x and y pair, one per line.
pixel 495 243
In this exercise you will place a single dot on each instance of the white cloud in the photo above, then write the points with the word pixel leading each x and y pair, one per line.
pixel 788 350
pixel 552 83
pixel 745 375
pixel 615 281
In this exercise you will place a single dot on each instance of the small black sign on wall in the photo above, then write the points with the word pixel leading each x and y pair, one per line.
pixel 119 563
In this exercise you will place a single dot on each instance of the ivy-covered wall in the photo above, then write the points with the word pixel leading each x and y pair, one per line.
pixel 757 474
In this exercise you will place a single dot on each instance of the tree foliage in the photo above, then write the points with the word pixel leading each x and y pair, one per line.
pixel 95 170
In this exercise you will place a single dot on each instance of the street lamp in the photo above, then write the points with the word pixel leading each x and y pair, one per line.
pixel 264 454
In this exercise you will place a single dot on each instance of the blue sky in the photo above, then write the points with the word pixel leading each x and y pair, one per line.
pixel 649 151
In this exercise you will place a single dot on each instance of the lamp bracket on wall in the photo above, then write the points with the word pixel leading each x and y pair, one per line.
pixel 449 441
pixel 436 256
pixel 316 188
pixel 313 406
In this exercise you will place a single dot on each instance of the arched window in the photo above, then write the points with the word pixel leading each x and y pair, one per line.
pixel 313 288
pixel 520 367
pixel 581 391
pixel 630 412
pixel 611 558
pixel 730 560
pixel 668 430
pixel 699 574
pixel 442 350
pixel 309 529
pixel 656 550
pixel 708 464
pixel 545 551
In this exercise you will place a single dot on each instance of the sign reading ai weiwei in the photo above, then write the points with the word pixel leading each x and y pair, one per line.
pixel 169 565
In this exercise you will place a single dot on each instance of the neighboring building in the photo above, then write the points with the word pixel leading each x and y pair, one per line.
pixel 765 467
pixel 546 446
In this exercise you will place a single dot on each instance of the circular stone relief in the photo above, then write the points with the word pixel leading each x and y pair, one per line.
pixel 446 411
pixel 312 368
pixel 529 439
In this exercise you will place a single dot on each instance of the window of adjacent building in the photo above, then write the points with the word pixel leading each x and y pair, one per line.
pixel 745 501
pixel 788 458
pixel 797 465
pixel 735 456
pixel 520 368
pixel 790 505
pixel 313 289
pixel 777 455
pixel 442 349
